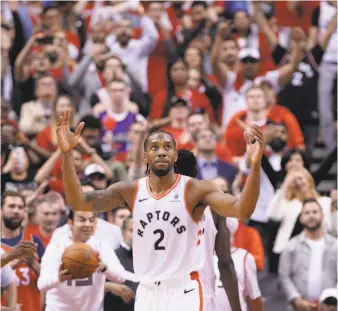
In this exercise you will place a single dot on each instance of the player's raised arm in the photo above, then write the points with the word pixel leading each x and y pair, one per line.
pixel 102 200
pixel 242 207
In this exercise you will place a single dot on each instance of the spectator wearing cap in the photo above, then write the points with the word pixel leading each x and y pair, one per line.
pixel 116 119
pixel 308 263
pixel 209 165
pixel 96 176
pixel 300 93
pixel 178 87
pixel 235 84
pixel 328 300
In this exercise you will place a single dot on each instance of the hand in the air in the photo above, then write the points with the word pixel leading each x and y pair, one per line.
pixel 66 138
pixel 254 146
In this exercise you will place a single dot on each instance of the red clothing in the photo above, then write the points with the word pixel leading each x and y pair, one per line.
pixel 234 135
pixel 249 239
pixel 157 67
pixel 44 139
pixel 28 293
pixel 34 229
pixel 288 18
pixel 196 99
pixel 175 132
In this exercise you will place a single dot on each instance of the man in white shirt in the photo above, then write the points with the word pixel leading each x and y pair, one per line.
pixel 308 263
pixel 104 230
pixel 134 52
pixel 62 291
pixel 236 83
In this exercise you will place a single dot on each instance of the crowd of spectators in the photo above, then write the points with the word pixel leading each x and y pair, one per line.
pixel 204 71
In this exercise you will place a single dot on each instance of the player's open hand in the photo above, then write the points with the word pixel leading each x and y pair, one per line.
pixel 64 275
pixel 123 291
pixel 254 146
pixel 66 138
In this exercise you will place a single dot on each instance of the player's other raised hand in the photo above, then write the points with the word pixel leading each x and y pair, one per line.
pixel 254 146
pixel 67 140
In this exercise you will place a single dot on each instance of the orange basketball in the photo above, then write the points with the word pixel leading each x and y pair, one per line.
pixel 80 260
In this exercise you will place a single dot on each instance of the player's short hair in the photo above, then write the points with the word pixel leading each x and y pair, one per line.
pixel 186 163
pixel 157 132
pixel 126 222
pixel 13 194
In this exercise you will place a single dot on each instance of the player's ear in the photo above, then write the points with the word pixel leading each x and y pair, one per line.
pixel 176 156
pixel 145 158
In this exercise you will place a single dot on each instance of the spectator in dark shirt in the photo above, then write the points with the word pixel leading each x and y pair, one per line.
pixel 17 174
pixel 300 94
pixel 121 296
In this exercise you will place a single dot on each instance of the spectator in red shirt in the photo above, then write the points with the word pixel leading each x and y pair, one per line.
pixel 178 86
pixel 178 114
pixel 48 210
pixel 47 137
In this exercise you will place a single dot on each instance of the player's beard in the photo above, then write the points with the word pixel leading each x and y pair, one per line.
pixel 162 172
pixel 12 224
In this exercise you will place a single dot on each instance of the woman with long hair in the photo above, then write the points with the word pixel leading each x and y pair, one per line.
pixel 178 87
pixel 199 80
pixel 47 137
pixel 286 206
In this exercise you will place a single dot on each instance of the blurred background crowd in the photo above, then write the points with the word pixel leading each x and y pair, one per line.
pixel 204 71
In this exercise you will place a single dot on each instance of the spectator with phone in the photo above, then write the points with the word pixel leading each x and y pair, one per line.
pixel 17 173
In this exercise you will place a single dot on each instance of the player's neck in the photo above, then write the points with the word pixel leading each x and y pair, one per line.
pixel 7 233
pixel 159 185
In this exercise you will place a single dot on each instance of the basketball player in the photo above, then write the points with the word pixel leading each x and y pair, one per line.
pixel 166 214
pixel 213 229
pixel 67 294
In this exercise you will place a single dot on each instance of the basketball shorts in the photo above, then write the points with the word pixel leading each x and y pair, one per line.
pixel 174 295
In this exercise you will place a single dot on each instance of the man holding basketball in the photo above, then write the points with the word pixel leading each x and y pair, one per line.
pixel 166 213
pixel 63 292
